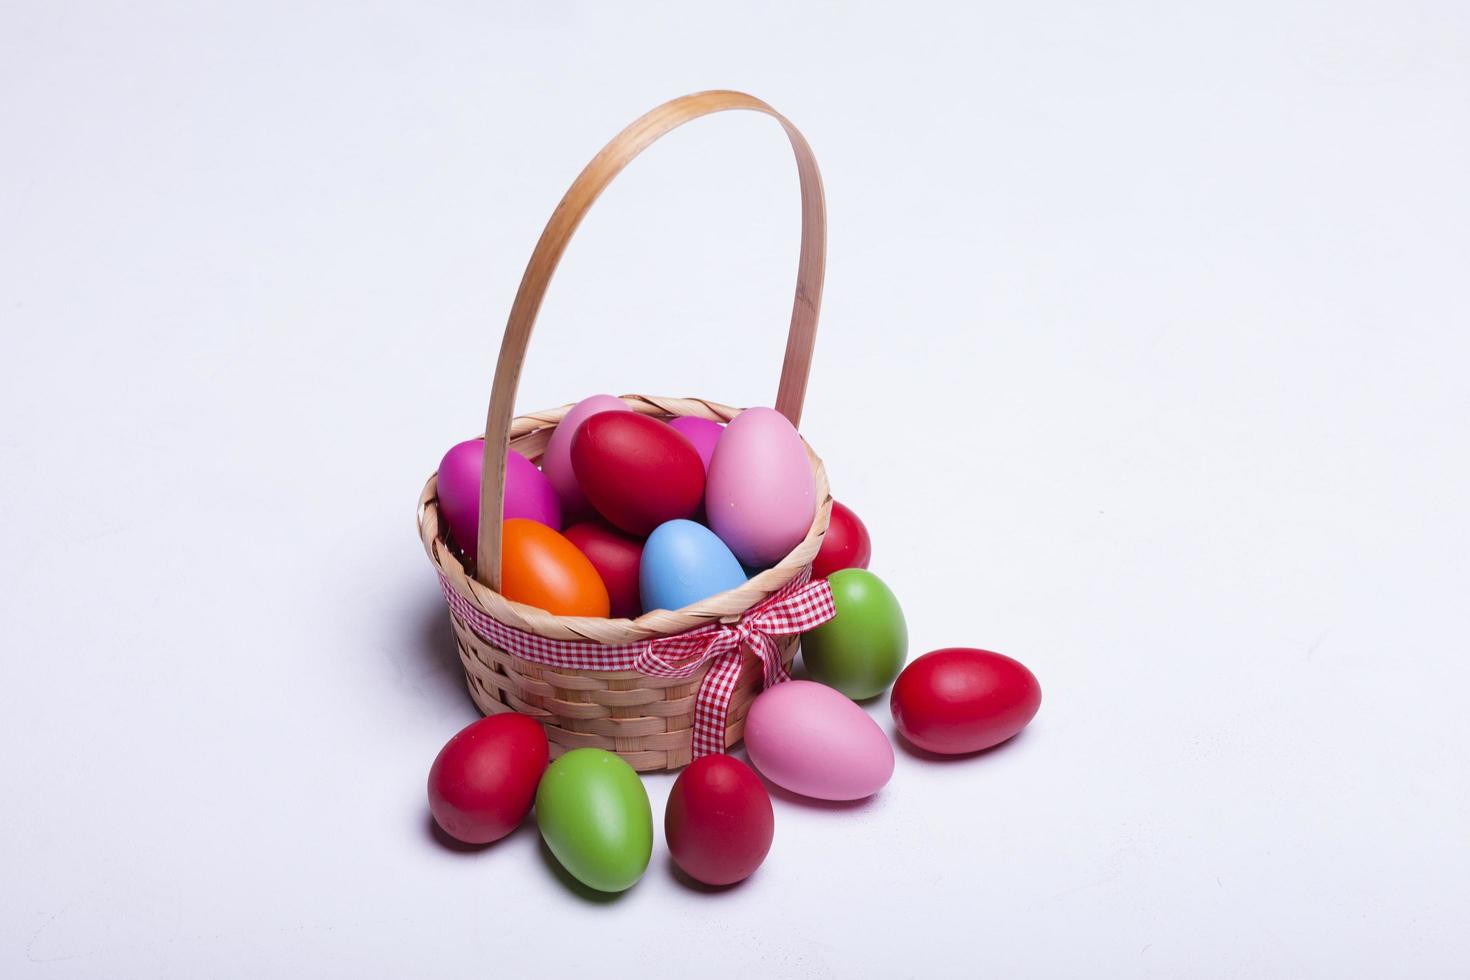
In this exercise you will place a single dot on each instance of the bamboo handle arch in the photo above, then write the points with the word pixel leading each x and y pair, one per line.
pixel 578 200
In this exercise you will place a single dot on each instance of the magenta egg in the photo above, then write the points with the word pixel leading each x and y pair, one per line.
pixel 702 432
pixel 528 493
pixel 557 461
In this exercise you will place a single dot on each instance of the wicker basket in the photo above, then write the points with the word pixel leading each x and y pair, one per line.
pixel 645 719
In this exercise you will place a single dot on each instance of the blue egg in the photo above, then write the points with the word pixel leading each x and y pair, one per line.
pixel 684 562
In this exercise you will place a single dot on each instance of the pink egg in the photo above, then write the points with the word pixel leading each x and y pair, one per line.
pixel 557 460
pixel 702 432
pixel 760 496
pixel 528 493
pixel 812 740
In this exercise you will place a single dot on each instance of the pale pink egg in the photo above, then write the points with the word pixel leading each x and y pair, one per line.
pixel 760 496
pixel 812 740
pixel 556 462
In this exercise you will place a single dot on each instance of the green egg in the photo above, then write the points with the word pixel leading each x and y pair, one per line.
pixel 862 649
pixel 594 815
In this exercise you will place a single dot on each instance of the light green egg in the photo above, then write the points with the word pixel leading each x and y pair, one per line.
pixel 594 815
pixel 861 650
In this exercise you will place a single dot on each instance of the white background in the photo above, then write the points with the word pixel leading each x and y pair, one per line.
pixel 1143 356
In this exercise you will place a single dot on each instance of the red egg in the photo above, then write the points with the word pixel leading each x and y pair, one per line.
pixel 636 470
pixel 718 822
pixel 846 544
pixel 483 782
pixel 960 700
pixel 616 557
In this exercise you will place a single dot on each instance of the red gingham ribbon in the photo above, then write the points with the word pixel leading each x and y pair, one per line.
pixel 798 606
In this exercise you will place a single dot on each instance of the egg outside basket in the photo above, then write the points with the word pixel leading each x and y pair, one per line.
pixel 646 716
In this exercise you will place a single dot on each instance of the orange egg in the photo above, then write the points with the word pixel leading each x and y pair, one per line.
pixel 541 568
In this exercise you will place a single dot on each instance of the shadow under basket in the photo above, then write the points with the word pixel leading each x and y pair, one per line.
pixel 648 719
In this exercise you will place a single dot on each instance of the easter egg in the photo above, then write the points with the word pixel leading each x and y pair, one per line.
pixel 960 700
pixel 483 781
pixel 528 493
pixel 845 545
pixel 616 557
pixel 540 567
pixel 684 562
pixel 702 433
pixel 594 815
pixel 861 649
pixel 760 496
pixel 636 471
pixel 556 462
pixel 813 741
pixel 718 821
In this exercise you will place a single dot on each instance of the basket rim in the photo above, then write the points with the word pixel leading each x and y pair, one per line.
pixel 528 436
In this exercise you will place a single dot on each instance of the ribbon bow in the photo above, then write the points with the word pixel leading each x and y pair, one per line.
pixel 799 606
pixel 795 609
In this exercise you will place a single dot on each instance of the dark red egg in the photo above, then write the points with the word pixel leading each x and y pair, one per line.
pixel 616 557
pixel 960 700
pixel 637 471
pixel 718 821
pixel 483 782
pixel 846 544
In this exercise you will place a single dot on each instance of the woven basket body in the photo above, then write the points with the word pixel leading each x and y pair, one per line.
pixel 621 711
pixel 645 719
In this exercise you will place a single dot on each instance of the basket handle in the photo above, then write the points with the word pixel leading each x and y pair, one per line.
pixel 553 242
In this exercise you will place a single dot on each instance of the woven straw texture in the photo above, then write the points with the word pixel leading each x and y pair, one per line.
pixel 646 720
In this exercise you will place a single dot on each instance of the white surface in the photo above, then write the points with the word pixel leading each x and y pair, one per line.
pixel 1143 356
